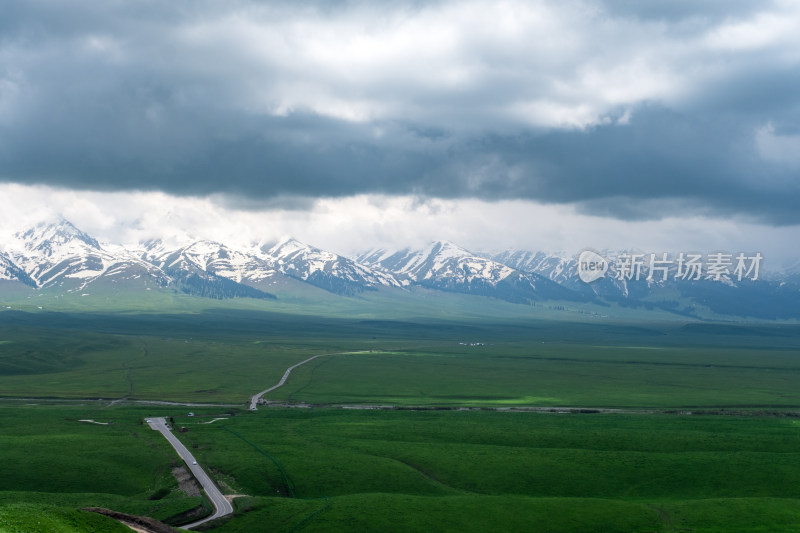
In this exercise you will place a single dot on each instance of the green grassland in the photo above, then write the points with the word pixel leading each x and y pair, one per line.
pixel 31 518
pixel 372 470
pixel 224 356
pixel 432 470
pixel 562 375
pixel 51 458
pixel 649 468
pixel 298 298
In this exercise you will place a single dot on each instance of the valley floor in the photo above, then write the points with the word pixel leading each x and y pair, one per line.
pixel 402 426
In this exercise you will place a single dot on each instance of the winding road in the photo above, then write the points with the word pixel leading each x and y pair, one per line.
pixel 256 397
pixel 222 506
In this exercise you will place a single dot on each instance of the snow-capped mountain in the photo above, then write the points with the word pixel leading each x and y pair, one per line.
pixel 439 262
pixel 11 272
pixel 562 269
pixel 327 270
pixel 58 257
pixel 446 266
pixel 266 265
pixel 60 254
pixel 209 268
pixel 672 285
pixel 211 257
pixel 556 267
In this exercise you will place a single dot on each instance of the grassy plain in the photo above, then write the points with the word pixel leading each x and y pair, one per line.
pixel 399 470
pixel 333 469
pixel 225 356
pixel 52 456
pixel 31 518
pixel 505 471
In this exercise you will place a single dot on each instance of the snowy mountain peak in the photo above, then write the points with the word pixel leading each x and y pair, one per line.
pixel 59 254
pixel 327 270
pixel 288 247
pixel 448 249
pixel 440 260
pixel 204 256
pixel 45 238
pixel 152 244
pixel 446 245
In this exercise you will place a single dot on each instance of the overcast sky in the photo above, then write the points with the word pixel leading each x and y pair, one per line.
pixel 660 125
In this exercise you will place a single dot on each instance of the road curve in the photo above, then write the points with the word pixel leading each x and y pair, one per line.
pixel 222 506
pixel 254 399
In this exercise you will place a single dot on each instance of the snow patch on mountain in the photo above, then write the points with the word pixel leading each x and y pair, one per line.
pixel 439 261
pixel 54 253
pixel 58 256
pixel 323 268
pixel 208 257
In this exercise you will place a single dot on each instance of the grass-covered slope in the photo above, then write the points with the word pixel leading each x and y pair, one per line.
pixel 69 457
pixel 224 356
pixel 32 518
pixel 488 471
pixel 324 469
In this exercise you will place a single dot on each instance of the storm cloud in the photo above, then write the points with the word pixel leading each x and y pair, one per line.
pixel 624 109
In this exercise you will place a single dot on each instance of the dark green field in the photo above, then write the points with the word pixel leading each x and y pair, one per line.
pixel 485 471
pixel 50 457
pixel 733 465
pixel 367 470
pixel 226 356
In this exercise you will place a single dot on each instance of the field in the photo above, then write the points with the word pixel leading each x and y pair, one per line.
pixel 81 455
pixel 485 471
pixel 226 356
pixel 629 456
pixel 399 470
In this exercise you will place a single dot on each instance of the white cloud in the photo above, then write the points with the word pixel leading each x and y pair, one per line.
pixel 463 64
pixel 773 28
pixel 450 98
pixel 353 224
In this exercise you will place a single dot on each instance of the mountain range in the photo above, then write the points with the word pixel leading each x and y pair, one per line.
pixel 58 257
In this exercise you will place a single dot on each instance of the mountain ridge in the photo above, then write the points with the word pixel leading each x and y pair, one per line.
pixel 58 256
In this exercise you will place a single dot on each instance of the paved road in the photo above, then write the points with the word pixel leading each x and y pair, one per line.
pixel 221 505
pixel 256 397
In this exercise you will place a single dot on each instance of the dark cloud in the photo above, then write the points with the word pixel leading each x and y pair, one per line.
pixel 111 97
pixel 675 11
